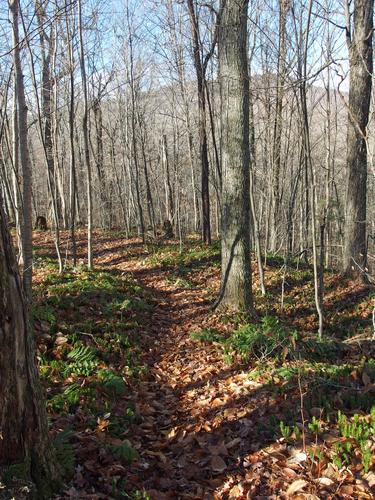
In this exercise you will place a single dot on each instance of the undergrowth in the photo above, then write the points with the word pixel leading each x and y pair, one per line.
pixel 352 447
pixel 265 340
pixel 87 326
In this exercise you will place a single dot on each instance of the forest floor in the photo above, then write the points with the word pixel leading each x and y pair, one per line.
pixel 152 395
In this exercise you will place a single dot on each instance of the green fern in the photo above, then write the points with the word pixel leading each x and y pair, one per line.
pixel 66 400
pixel 111 382
pixel 83 361
pixel 85 368
pixel 124 452
pixel 82 353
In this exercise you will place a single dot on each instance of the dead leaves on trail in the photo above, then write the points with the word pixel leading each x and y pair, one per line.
pixel 201 429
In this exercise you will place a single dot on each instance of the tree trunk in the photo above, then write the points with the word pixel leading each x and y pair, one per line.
pixel 278 124
pixel 24 155
pixel 72 166
pixel 23 421
pixel 359 41
pixel 44 119
pixel 85 129
pixel 202 129
pixel 100 169
pixel 234 85
pixel 169 205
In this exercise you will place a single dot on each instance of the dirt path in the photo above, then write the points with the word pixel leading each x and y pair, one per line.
pixel 167 397
pixel 194 409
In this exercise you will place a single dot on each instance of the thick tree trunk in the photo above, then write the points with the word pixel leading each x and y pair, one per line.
pixel 23 421
pixel 361 65
pixel 235 271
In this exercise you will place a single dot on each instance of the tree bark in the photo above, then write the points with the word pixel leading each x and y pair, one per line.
pixel 72 165
pixel 23 420
pixel 23 155
pixel 359 40
pixel 278 124
pixel 85 129
pixel 200 68
pixel 234 86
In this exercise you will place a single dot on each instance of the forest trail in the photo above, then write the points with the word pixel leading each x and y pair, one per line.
pixel 172 399
pixel 206 423
pixel 196 436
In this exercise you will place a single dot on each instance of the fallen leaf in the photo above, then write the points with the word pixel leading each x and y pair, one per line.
pixel 366 379
pixel 61 340
pixel 370 478
pixel 331 471
pixel 236 491
pixel 233 443
pixel 298 458
pixel 297 485
pixel 289 472
pixel 325 481
pixel 346 489
pixel 305 496
pixel 218 464
pixel 102 425
pixel 218 450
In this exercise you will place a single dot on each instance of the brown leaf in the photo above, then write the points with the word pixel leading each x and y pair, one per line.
pixel 370 478
pixel 325 481
pixel 102 424
pixel 289 472
pixel 366 379
pixel 331 471
pixel 61 340
pixel 305 496
pixel 233 443
pixel 236 491
pixel 218 464
pixel 297 485
pixel 218 450
pixel 346 489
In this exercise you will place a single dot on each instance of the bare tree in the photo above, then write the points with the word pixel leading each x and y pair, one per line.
pixel 201 64
pixel 359 36
pixel 85 129
pixel 23 153
pixel 234 86
pixel 284 6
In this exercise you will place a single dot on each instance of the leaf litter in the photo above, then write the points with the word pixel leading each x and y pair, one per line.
pixel 185 423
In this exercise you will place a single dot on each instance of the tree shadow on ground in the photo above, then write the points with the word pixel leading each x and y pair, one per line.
pixel 177 433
